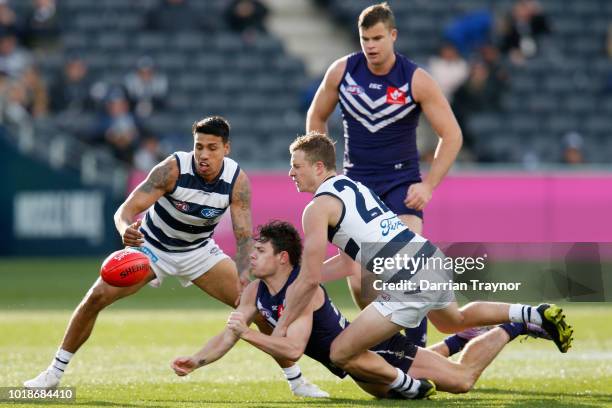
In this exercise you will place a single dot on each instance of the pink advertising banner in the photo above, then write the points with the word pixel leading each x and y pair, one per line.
pixel 496 207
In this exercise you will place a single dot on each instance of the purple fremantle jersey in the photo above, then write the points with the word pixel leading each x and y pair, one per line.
pixel 380 119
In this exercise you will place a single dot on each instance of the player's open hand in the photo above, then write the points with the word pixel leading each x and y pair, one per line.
pixel 418 196
pixel 237 323
pixel 132 236
pixel 184 365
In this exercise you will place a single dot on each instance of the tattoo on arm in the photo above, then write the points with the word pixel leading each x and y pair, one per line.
pixel 158 178
pixel 242 253
pixel 242 224
pixel 202 362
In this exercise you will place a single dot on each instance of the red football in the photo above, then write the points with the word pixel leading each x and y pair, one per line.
pixel 126 267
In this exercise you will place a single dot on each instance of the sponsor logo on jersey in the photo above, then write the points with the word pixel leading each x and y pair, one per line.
pixel 375 86
pixel 181 206
pixel 278 309
pixel 265 313
pixel 395 96
pixel 390 224
pixel 354 89
pixel 211 212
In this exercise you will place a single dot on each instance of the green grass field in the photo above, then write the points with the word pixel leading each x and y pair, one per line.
pixel 126 361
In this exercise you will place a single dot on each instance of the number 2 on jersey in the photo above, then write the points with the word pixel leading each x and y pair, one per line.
pixel 366 214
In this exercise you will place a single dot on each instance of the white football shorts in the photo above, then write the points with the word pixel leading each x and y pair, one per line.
pixel 184 266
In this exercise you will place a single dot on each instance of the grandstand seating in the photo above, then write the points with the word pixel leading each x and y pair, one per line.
pixel 257 85
pixel 559 91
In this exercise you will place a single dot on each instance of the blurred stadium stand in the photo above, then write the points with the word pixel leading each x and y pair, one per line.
pixel 255 84
pixel 258 86
pixel 561 90
pixel 261 88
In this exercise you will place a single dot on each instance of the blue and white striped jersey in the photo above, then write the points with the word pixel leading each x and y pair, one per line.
pixel 185 218
pixel 365 219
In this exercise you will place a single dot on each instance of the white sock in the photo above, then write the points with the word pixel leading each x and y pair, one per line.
pixel 524 314
pixel 60 362
pixel 405 384
pixel 293 375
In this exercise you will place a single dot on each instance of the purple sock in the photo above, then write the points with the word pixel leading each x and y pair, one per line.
pixel 513 329
pixel 455 344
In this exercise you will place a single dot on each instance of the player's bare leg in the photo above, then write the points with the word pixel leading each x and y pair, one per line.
pixel 222 283
pixel 349 351
pixel 81 324
pixel 548 317
pixel 453 319
pixel 414 223
pixel 460 377
pixel 99 296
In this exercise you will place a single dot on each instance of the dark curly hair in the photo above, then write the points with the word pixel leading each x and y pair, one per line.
pixel 284 237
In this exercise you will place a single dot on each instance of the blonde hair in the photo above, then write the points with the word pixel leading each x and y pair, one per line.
pixel 317 147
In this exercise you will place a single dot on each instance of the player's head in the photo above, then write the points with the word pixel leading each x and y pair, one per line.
pixel 277 244
pixel 377 33
pixel 210 145
pixel 313 158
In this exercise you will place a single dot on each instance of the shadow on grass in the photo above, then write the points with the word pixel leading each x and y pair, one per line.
pixel 491 397
pixel 592 399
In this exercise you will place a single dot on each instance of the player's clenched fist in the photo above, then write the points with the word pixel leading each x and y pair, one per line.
pixel 236 323
pixel 132 236
pixel 184 365
pixel 418 196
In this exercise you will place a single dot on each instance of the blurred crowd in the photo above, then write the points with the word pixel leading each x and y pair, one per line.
pixel 120 110
pixel 469 66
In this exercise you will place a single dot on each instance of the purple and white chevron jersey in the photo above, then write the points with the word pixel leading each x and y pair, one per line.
pixel 380 118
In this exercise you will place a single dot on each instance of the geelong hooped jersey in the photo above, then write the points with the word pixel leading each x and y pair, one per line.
pixel 185 218
pixel 380 117
pixel 364 219
pixel 327 321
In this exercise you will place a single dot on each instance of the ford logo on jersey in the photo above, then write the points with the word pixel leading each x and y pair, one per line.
pixel 354 89
pixel 211 212
pixel 390 224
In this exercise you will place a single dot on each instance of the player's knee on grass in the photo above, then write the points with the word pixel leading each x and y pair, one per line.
pixel 464 385
pixel 459 384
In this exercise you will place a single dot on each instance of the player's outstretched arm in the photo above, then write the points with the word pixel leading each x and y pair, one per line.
pixel 160 180
pixel 242 224
pixel 219 345
pixel 326 98
pixel 303 289
pixel 438 111
pixel 290 347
